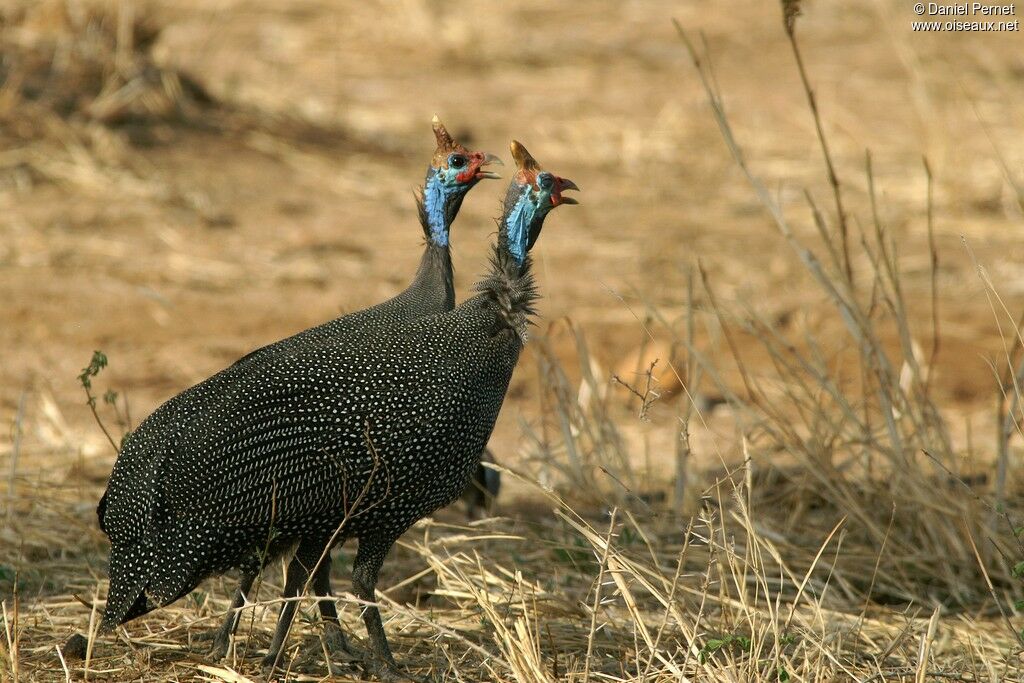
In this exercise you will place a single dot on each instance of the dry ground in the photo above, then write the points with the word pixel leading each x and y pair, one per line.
pixel 240 170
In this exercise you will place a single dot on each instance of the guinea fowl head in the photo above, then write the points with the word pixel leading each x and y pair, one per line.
pixel 453 172
pixel 532 194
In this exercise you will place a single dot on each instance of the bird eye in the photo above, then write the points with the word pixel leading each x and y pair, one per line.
pixel 545 181
pixel 456 161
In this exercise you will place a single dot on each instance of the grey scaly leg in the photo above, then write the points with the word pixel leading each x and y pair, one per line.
pixel 227 629
pixel 306 556
pixel 369 559
pixel 337 644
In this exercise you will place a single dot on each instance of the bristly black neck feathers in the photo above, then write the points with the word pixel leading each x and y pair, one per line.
pixel 509 290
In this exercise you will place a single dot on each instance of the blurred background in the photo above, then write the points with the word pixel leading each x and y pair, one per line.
pixel 181 182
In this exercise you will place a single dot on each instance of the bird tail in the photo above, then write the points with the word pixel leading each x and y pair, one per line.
pixel 142 580
pixel 126 598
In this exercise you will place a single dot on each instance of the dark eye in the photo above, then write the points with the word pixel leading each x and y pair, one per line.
pixel 456 161
pixel 545 181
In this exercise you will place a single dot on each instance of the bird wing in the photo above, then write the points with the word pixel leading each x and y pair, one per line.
pixel 296 440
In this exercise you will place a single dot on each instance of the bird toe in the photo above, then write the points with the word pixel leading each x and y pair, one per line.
pixel 338 646
pixel 389 672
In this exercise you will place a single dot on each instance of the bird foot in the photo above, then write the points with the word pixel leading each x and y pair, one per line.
pixel 219 649
pixel 389 672
pixel 204 636
pixel 338 649
pixel 219 643
pixel 271 662
pixel 338 646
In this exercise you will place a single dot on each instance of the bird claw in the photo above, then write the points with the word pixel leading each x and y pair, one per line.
pixel 338 649
pixel 219 643
pixel 338 646
pixel 270 662
pixel 389 672
pixel 220 648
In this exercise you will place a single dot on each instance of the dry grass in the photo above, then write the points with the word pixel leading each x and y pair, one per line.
pixel 846 534
pixel 732 593
pixel 73 73
pixel 82 92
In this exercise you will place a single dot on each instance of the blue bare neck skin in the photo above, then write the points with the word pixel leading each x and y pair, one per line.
pixel 517 226
pixel 436 196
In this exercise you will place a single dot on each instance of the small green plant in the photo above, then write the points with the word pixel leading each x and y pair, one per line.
pixel 110 398
pixel 727 641
pixel 198 599
pixel 578 557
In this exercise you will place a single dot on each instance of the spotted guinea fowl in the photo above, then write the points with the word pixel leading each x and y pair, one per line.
pixel 453 171
pixel 333 441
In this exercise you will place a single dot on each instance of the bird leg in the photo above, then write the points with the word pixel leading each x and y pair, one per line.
pixel 337 644
pixel 306 556
pixel 369 559
pixel 227 629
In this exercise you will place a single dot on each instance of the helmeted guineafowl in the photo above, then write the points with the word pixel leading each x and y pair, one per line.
pixel 354 438
pixel 453 171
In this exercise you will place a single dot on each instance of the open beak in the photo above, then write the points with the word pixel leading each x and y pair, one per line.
pixel 488 159
pixel 561 185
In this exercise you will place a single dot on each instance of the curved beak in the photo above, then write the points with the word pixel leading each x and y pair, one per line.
pixel 487 160
pixel 561 185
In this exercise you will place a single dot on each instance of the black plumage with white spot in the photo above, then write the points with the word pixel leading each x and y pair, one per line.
pixel 453 171
pixel 340 438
